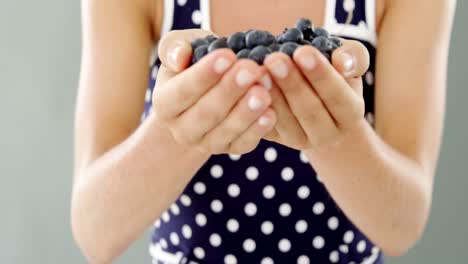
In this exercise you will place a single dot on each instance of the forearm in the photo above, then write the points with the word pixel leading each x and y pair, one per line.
pixel 386 194
pixel 121 193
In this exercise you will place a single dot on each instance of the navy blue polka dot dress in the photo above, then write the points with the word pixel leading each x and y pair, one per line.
pixel 267 206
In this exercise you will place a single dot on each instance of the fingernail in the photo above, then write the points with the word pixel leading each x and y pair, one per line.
pixel 174 54
pixel 348 62
pixel 264 121
pixel 279 69
pixel 308 61
pixel 266 82
pixel 255 103
pixel 221 65
pixel 244 77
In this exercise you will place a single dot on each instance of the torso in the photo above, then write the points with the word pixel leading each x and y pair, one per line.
pixel 274 16
pixel 268 205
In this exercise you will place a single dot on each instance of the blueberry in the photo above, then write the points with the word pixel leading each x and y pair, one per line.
pixel 318 32
pixel 257 38
pixel 336 41
pixel 198 42
pixel 243 54
pixel 322 44
pixel 236 41
pixel 218 44
pixel 306 27
pixel 289 48
pixel 292 35
pixel 199 52
pixel 274 47
pixel 210 38
pixel 259 53
pixel 305 42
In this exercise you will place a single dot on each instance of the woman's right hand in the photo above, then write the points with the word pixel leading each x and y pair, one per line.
pixel 217 104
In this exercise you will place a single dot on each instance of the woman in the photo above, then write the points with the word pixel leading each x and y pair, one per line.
pixel 298 160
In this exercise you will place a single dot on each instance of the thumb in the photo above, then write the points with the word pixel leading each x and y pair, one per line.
pixel 175 50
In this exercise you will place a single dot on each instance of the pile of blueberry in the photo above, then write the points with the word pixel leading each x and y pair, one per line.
pixel 257 44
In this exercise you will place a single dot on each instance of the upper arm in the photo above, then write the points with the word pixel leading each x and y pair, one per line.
pixel 411 77
pixel 116 43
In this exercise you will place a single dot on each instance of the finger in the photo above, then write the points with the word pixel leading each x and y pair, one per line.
pixel 188 86
pixel 356 84
pixel 249 140
pixel 351 59
pixel 301 98
pixel 213 107
pixel 247 110
pixel 164 74
pixel 287 127
pixel 338 97
pixel 175 50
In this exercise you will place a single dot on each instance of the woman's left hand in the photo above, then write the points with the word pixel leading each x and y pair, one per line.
pixel 316 101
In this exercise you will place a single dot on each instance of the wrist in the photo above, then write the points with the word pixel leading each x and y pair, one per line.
pixel 189 151
pixel 356 136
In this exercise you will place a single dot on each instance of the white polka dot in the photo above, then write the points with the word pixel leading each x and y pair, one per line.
pixel 200 219
pixel 348 236
pixel 249 245
pixel 303 192
pixel 251 173
pixel 216 171
pixel 375 250
pixel 285 209
pixel 334 256
pixel 148 96
pixel 301 226
pixel 250 209
pixel 163 243
pixel 197 17
pixel 216 206
pixel 199 252
pixel 157 223
pixel 287 173
pixel 344 248
pixel 215 240
pixel 267 260
pixel 154 72
pixel 181 2
pixel 174 238
pixel 187 231
pixel 230 259
pixel 318 208
pixel 318 178
pixel 199 187
pixel 270 154
pixel 232 225
pixel 369 78
pixel 166 217
pixel 185 200
pixel 269 192
pixel 303 260
pixel 318 242
pixel 361 246
pixel 284 245
pixel 233 190
pixel 175 209
pixel 267 227
pixel 303 157
pixel 234 156
pixel 349 5
pixel 333 223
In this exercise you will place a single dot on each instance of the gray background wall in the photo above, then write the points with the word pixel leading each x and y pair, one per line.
pixel 39 64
